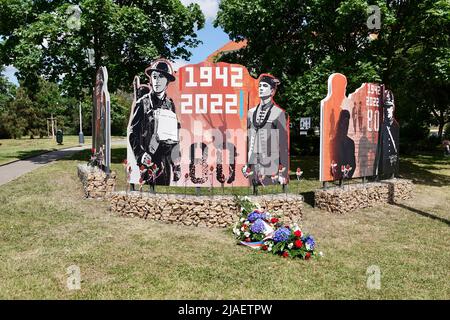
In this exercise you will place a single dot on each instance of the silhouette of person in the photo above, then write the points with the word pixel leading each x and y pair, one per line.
pixel 332 121
pixel 343 146
pixel 364 148
pixel 354 115
pixel 360 116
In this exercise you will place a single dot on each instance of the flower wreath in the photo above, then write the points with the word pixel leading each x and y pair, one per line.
pixel 259 229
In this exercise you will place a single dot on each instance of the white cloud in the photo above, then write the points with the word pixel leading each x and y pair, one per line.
pixel 209 7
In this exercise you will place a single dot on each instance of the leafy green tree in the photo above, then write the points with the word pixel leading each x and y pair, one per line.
pixel 302 42
pixel 20 116
pixel 54 39
pixel 7 91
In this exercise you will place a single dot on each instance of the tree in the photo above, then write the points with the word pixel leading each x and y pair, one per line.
pixel 302 42
pixel 19 116
pixel 421 70
pixel 7 91
pixel 67 44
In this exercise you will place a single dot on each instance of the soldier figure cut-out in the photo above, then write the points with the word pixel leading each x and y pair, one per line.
pixel 154 130
pixel 390 138
pixel 267 135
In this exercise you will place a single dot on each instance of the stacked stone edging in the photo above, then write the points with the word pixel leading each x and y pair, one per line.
pixel 356 196
pixel 96 183
pixel 217 211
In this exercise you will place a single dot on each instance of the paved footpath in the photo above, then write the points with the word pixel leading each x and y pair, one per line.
pixel 11 171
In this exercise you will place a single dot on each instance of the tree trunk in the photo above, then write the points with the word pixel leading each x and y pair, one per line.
pixel 441 129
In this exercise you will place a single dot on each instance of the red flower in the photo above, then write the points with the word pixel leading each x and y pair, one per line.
pixel 274 220
pixel 342 168
pixel 142 168
pixel 347 167
pixel 285 254
pixel 150 171
pixel 287 227
pixel 298 243
pixel 307 256
pixel 247 240
pixel 125 161
pixel 298 170
pixel 154 166
pixel 211 168
pixel 298 233
pixel 141 180
pixel 280 167
pixel 186 176
pixel 248 170
pixel 148 161
pixel 264 247
pixel 129 169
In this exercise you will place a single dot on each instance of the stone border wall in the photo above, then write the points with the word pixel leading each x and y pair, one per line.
pixel 96 183
pixel 217 211
pixel 356 196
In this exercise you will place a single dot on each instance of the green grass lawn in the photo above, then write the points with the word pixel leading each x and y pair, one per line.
pixel 47 226
pixel 15 149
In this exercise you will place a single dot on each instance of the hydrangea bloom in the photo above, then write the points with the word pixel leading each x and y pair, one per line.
pixel 309 243
pixel 258 226
pixel 255 215
pixel 281 234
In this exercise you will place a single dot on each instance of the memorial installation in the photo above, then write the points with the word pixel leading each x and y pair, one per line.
pixel 97 178
pixel 207 125
pixel 213 125
pixel 359 139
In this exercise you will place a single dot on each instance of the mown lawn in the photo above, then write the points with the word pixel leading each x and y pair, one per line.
pixel 15 149
pixel 47 226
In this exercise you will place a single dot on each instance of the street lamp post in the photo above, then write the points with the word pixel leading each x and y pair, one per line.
pixel 81 135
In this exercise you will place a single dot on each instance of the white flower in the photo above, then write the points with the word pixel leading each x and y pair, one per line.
pixel 290 245
pixel 246 198
pixel 308 247
pixel 269 248
pixel 247 234
pixel 242 219
pixel 242 209
pixel 247 222
pixel 320 254
pixel 242 229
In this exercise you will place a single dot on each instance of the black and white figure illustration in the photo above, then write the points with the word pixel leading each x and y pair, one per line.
pixel 101 117
pixel 268 154
pixel 154 127
pixel 389 138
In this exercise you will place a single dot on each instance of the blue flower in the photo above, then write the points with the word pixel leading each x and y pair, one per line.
pixel 281 234
pixel 252 217
pixel 309 243
pixel 258 226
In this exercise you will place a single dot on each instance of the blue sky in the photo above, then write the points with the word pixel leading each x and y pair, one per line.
pixel 212 38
